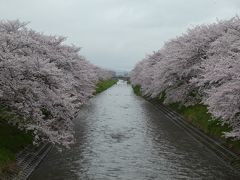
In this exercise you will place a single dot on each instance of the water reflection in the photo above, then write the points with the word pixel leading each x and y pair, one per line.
pixel 121 136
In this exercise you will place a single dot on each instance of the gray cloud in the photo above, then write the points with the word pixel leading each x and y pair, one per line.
pixel 117 33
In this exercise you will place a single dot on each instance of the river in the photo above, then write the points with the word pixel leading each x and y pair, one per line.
pixel 120 136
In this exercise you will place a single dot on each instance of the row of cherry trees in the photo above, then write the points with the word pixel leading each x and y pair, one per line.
pixel 43 81
pixel 200 66
pixel 104 74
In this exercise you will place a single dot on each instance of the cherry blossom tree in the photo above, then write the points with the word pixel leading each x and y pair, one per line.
pixel 220 77
pixel 104 74
pixel 200 66
pixel 43 81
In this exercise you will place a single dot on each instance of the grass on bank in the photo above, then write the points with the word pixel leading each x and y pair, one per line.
pixel 103 85
pixel 12 140
pixel 137 90
pixel 198 116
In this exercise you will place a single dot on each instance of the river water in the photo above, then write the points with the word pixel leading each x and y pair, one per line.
pixel 120 136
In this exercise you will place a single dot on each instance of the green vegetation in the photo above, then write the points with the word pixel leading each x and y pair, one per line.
pixel 137 90
pixel 162 96
pixel 12 140
pixel 103 85
pixel 198 116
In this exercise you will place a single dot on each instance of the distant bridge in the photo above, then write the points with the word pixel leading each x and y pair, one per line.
pixel 125 78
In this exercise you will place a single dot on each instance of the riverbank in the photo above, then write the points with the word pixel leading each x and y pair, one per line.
pixel 104 85
pixel 12 140
pixel 198 116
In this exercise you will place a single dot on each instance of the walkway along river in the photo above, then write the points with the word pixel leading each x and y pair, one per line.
pixel 121 136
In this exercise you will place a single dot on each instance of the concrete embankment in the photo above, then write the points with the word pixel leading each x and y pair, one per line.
pixel 28 159
pixel 217 147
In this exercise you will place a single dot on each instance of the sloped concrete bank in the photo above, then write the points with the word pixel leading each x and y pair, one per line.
pixel 217 147
pixel 28 159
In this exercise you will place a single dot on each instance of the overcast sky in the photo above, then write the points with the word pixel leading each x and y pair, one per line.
pixel 116 34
